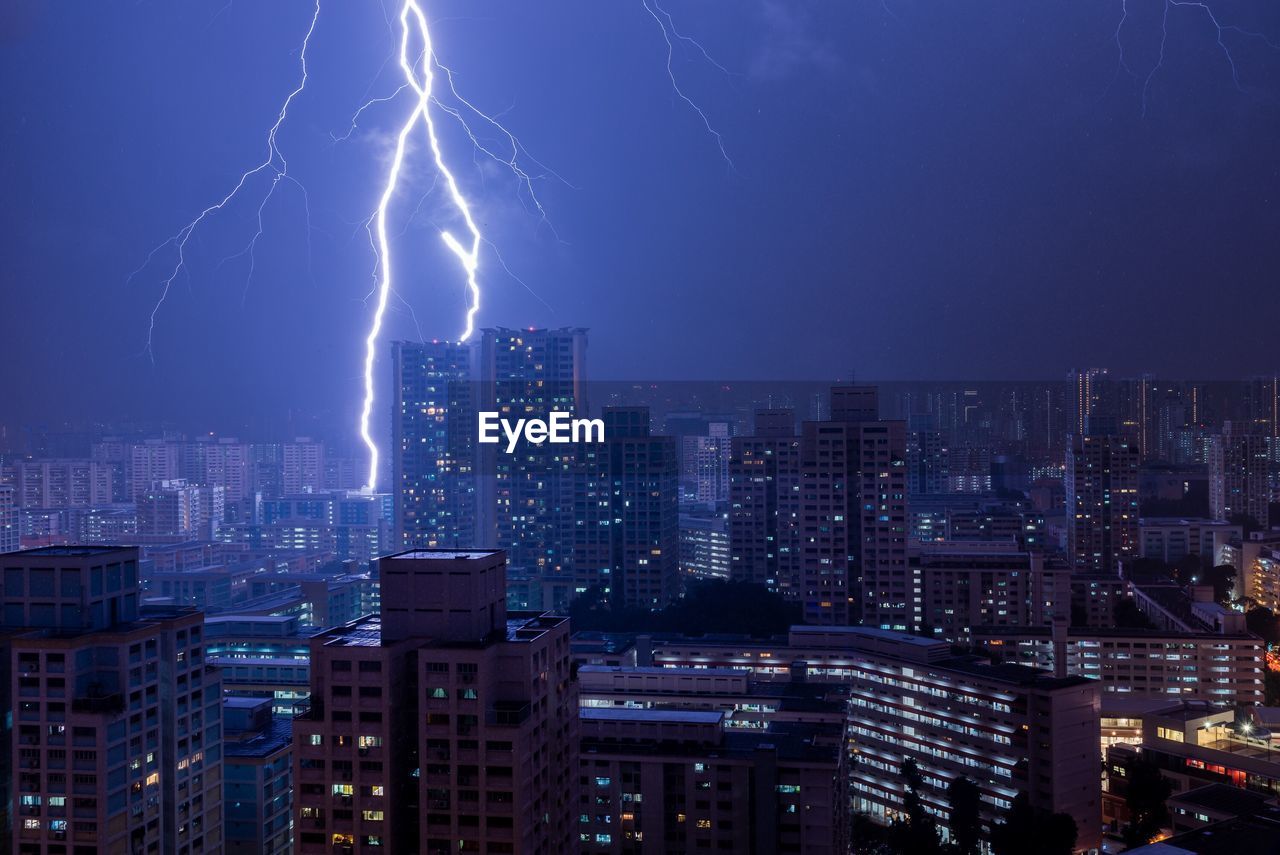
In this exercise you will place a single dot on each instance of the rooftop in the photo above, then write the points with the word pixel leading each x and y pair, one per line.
pixel 71 551
pixel 444 554
pixel 262 743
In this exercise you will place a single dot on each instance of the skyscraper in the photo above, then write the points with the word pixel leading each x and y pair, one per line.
pixel 623 525
pixel 445 725
pixel 116 737
pixel 524 374
pixel 763 508
pixel 9 533
pixel 302 466
pixel 1088 397
pixel 433 434
pixel 853 517
pixel 1239 474
pixel 1101 483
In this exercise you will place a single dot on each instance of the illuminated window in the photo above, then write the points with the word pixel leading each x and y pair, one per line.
pixel 369 742
pixel 342 790
pixel 1170 734
pixel 317 739
pixel 372 815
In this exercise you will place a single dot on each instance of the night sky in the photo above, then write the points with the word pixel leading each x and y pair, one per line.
pixel 923 189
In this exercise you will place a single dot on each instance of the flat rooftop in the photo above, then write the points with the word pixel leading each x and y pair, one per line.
pixel 70 551
pixel 443 554
pixel 654 715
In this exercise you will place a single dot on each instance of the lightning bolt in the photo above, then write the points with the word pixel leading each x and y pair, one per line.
pixel 1220 30
pixel 669 32
pixel 422 84
pixel 275 162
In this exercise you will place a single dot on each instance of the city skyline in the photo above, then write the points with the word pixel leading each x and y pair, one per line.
pixel 927 212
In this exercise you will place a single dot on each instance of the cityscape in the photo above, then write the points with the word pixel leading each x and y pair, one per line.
pixel 793 552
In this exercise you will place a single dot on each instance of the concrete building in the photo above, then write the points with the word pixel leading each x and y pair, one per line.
pixel 433 433
pixel 764 479
pixel 529 373
pixel 966 585
pixel 1171 539
pixel 853 517
pixel 704 544
pixel 60 483
pixel 1102 500
pixel 1239 475
pixel 258 789
pixel 1220 668
pixel 176 508
pixel 678 781
pixel 746 702
pixel 116 738
pixel 262 657
pixel 1010 728
pixel 10 534
pixel 624 532
pixel 152 461
pixel 446 724
pixel 704 465
pixel 302 466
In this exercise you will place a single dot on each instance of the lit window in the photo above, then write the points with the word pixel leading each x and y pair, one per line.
pixel 372 815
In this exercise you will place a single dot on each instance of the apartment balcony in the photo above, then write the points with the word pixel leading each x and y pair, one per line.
pixel 509 713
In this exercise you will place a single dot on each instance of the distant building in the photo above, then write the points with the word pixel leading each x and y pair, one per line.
pixel 704 465
pixel 65 483
pixel 764 473
pixel 302 466
pixel 704 544
pixel 853 517
pixel 10 534
pixel 624 532
pixel 433 433
pixel 1102 500
pixel 1239 475
pixel 968 585
pixel 1173 539
pixel 529 373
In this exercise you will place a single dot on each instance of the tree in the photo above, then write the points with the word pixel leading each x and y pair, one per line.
pixel 1025 829
pixel 917 833
pixel 1128 616
pixel 1223 578
pixel 966 821
pixel 1145 795
pixel 1261 622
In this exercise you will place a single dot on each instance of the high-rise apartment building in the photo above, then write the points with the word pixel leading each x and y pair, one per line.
pixel 1101 483
pixel 1239 475
pixel 704 465
pixel 178 509
pixel 764 471
pixel 60 483
pixel 623 526
pixel 302 466
pixel 10 538
pixel 152 461
pixel 528 373
pixel 433 434
pixel 258 793
pixel 1090 397
pixel 444 725
pixel 116 736
pixel 853 517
